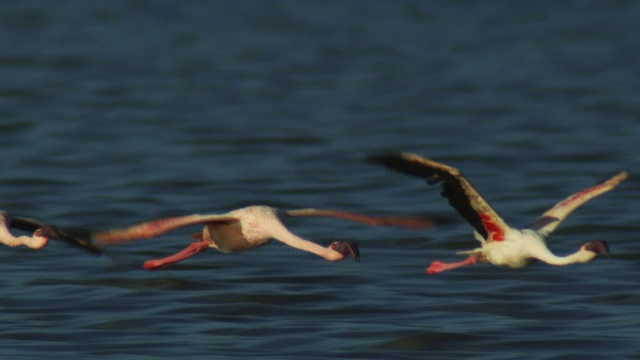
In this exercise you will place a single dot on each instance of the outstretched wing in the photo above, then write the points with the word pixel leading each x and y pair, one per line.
pixel 156 227
pixel 400 221
pixel 550 220
pixel 74 237
pixel 456 188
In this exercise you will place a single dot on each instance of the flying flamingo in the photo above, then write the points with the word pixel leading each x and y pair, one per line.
pixel 249 228
pixel 502 245
pixel 41 234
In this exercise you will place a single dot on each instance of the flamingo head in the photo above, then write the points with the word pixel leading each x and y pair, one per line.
pixel 347 248
pixel 598 247
pixel 40 237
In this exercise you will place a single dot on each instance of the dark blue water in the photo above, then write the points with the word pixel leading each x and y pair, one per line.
pixel 114 112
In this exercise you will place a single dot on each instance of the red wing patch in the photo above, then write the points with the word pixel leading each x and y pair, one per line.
pixel 496 233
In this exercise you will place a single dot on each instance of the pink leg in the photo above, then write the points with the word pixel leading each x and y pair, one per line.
pixel 437 266
pixel 191 250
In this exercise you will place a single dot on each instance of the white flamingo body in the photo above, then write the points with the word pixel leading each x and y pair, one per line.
pixel 501 244
pixel 516 251
pixel 262 225
pixel 249 228
pixel 520 248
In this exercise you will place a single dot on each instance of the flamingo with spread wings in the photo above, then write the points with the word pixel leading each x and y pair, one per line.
pixel 501 244
pixel 248 228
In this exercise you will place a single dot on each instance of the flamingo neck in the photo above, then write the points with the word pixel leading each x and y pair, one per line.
pixel 35 242
pixel 580 256
pixel 282 234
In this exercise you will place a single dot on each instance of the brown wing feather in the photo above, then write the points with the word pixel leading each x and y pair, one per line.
pixel 400 221
pixel 156 227
pixel 457 189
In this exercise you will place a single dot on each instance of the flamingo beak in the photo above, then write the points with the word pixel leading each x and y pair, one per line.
pixel 48 231
pixel 600 247
pixel 347 248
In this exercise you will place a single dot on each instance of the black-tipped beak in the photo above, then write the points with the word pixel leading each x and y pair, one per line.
pixel 347 248
pixel 48 231
pixel 600 247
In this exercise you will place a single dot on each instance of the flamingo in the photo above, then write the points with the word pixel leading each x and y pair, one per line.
pixel 501 244
pixel 249 228
pixel 41 234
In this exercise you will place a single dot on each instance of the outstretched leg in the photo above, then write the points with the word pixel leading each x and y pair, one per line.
pixel 191 250
pixel 438 267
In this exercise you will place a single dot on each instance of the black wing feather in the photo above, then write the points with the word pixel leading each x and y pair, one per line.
pixel 77 238
pixel 452 183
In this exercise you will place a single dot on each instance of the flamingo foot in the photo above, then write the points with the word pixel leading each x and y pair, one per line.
pixel 191 250
pixel 347 248
pixel 438 266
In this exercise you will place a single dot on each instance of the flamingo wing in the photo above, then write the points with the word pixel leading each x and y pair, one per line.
pixel 157 227
pixel 74 237
pixel 400 221
pixel 457 189
pixel 550 220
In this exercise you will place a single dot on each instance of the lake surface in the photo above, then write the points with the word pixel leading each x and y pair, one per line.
pixel 115 112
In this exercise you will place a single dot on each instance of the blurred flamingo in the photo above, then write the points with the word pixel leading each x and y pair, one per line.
pixel 249 228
